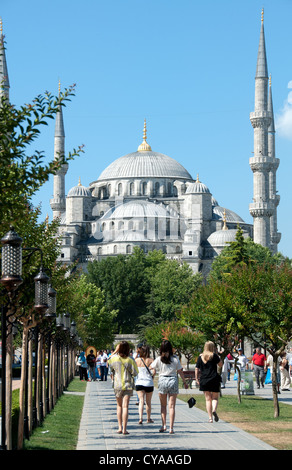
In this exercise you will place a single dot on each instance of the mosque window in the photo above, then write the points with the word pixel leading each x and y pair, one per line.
pixel 144 188
pixel 99 251
pixel 121 225
pixel 131 189
pixel 157 189
pixel 115 249
pixel 112 225
pixel 128 249
pixel 103 227
pixel 120 189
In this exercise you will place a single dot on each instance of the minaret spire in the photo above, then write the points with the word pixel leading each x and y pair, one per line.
pixel 58 203
pixel 4 80
pixel 274 197
pixel 144 147
pixel 261 163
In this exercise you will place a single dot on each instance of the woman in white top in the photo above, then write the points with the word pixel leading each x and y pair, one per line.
pixel 144 382
pixel 168 365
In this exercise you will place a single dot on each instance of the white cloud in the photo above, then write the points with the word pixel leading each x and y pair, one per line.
pixel 284 118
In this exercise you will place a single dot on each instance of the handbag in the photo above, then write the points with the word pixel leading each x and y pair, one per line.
pixel 191 402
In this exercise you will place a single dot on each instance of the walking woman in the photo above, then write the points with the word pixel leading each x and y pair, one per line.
pixel 168 366
pixel 123 370
pixel 144 382
pixel 209 379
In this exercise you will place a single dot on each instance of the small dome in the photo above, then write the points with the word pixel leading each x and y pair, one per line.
pixel 79 191
pixel 197 188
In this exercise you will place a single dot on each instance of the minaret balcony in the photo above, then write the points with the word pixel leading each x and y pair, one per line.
pixel 260 119
pixel 276 237
pixel 261 209
pixel 261 163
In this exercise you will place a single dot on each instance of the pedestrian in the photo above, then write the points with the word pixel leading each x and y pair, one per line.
pixel 242 360
pixel 284 371
pixel 231 361
pixel 135 355
pixel 168 366
pixel 123 370
pixel 91 360
pixel 225 370
pixel 103 365
pixel 82 363
pixel 144 382
pixel 259 365
pixel 270 362
pixel 209 380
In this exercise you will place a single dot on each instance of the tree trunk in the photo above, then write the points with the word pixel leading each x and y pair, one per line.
pixel 274 387
pixel 237 369
pixel 30 398
pixel 22 389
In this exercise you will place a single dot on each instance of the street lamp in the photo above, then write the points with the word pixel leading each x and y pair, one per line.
pixel 41 292
pixel 11 260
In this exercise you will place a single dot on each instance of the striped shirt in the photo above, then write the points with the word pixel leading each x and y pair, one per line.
pixel 124 370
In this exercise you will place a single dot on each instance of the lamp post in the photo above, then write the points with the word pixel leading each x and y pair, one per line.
pixel 11 265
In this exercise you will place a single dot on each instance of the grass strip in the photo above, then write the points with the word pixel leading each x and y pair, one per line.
pixel 254 415
pixel 59 430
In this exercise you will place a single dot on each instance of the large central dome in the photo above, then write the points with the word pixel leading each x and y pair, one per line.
pixel 144 164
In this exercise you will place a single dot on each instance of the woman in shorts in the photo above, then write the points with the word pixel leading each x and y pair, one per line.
pixel 144 382
pixel 168 366
pixel 123 370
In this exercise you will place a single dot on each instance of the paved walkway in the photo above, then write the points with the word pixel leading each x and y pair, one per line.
pixel 98 427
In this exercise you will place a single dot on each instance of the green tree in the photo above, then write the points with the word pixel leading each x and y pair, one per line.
pixel 94 321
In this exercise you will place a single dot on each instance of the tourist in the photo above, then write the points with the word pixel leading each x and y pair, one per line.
pixel 91 360
pixel 144 382
pixel 82 363
pixel 209 380
pixel 259 365
pixel 284 371
pixel 123 369
pixel 168 366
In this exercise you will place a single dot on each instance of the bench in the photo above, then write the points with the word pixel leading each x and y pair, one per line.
pixel 189 376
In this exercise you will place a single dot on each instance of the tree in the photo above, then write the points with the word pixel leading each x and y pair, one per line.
pixel 94 321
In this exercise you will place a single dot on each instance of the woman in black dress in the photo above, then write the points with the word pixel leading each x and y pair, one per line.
pixel 209 379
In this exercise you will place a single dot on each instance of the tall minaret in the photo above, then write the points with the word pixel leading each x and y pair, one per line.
pixel 4 80
pixel 274 197
pixel 58 203
pixel 261 163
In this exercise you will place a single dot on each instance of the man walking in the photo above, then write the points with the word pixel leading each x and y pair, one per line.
pixel 91 359
pixel 259 365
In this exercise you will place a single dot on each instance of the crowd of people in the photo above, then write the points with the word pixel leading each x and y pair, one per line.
pixel 134 372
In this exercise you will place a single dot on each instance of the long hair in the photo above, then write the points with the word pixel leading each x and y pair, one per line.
pixel 124 349
pixel 166 352
pixel 144 351
pixel 208 353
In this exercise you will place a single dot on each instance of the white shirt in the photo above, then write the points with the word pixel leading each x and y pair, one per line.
pixel 242 361
pixel 168 370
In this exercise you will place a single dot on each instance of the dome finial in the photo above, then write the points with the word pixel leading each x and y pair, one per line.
pixel 79 184
pixel 1 27
pixel 144 147
pixel 224 220
pixel 262 15
pixel 198 181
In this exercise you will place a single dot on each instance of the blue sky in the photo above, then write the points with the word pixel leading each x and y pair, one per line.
pixel 186 66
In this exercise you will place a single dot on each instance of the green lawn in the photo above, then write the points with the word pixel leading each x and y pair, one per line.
pixel 59 430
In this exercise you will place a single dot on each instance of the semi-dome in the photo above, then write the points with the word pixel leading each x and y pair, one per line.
pixel 79 191
pixel 218 214
pixel 221 237
pixel 139 209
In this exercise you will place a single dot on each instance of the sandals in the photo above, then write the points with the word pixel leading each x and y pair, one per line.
pixel 150 421
pixel 162 429
pixel 210 420
pixel 171 431
pixel 215 416
pixel 141 421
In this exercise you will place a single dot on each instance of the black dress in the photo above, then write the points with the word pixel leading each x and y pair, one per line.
pixel 209 377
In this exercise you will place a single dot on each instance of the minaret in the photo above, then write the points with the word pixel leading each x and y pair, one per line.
pixel 58 203
pixel 4 80
pixel 261 163
pixel 274 197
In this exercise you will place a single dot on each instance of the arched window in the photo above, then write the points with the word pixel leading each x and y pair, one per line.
pixel 144 188
pixel 103 227
pixel 115 249
pixel 131 189
pixel 120 189
pixel 157 189
pixel 130 226
pixel 121 225
pixel 99 251
pixel 112 225
pixel 109 188
pixel 128 249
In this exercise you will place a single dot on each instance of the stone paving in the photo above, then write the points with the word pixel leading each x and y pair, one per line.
pixel 98 427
